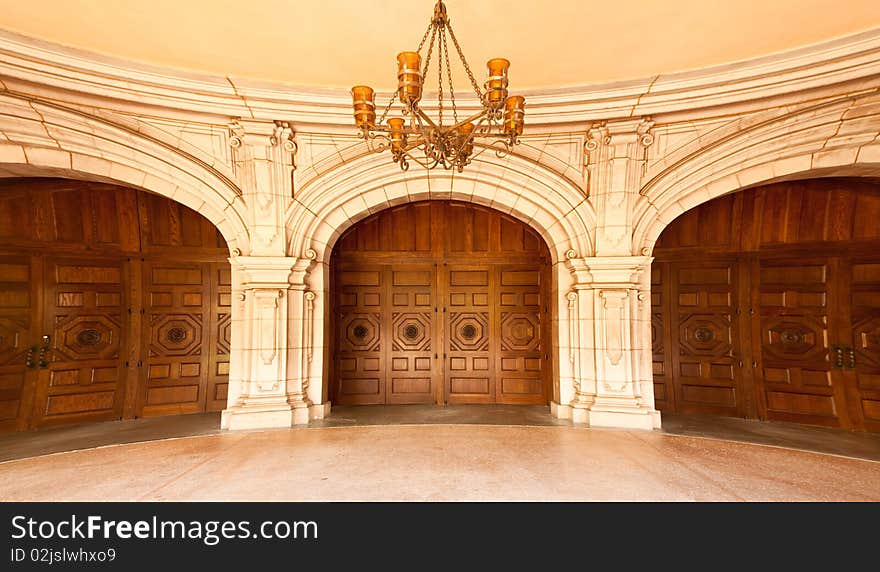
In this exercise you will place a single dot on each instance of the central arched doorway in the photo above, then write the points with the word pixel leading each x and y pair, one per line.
pixel 440 302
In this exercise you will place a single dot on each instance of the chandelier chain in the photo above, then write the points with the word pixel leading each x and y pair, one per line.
pixel 440 45
pixel 449 77
pixel 425 37
pixel 467 68
pixel 388 108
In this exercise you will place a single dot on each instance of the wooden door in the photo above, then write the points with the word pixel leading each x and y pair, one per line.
pixel 521 359
pixel 797 304
pixel 20 291
pixel 360 340
pixel 440 302
pixel 410 329
pixel 705 348
pixel 178 310
pixel 859 347
pixel 82 374
pixel 471 337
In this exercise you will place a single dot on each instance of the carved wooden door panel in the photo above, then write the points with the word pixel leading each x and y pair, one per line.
pixel 661 363
pixel 705 360
pixel 177 309
pixel 860 342
pixel 470 335
pixel 411 334
pixel 520 360
pixel 221 329
pixel 360 339
pixel 86 317
pixel 797 380
pixel 19 333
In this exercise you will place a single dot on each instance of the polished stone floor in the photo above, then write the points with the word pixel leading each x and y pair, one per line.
pixel 465 452
pixel 789 435
pixel 433 462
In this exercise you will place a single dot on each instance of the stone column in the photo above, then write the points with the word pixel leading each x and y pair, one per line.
pixel 264 397
pixel 608 302
pixel 614 386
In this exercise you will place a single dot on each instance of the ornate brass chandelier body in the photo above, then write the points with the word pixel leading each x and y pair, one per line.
pixel 429 142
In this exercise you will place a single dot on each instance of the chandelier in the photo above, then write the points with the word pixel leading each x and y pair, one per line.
pixel 431 142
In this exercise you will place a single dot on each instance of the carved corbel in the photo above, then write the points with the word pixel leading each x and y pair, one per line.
pixel 614 317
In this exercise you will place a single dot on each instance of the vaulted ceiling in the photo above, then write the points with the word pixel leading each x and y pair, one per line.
pixel 338 43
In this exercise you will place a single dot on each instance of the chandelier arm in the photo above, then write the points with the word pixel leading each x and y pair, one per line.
pixel 425 164
pixel 480 115
pixel 427 119
pixel 467 68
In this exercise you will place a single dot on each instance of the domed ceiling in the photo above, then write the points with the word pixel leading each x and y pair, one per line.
pixel 339 43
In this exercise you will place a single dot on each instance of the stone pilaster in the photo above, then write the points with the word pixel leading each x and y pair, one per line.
pixel 610 331
pixel 616 155
pixel 263 161
pixel 265 396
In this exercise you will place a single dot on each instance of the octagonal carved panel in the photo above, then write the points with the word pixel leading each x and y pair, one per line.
pixel 176 334
pixel 86 337
pixel 361 331
pixel 705 335
pixel 787 337
pixel 469 331
pixel 411 331
pixel 520 331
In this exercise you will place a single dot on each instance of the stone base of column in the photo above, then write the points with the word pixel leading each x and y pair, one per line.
pixel 623 413
pixel 319 411
pixel 265 416
pixel 560 411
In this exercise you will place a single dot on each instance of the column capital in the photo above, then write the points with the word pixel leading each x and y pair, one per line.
pixel 270 271
pixel 608 271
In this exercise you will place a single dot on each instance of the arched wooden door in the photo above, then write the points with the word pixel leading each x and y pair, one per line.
pixel 438 302
pixel 766 304
pixel 114 303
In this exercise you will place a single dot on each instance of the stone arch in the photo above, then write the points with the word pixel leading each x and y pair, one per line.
pixel 551 204
pixel 330 204
pixel 834 138
pixel 43 139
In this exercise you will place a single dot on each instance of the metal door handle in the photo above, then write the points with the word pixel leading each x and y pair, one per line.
pixel 850 358
pixel 44 349
pixel 29 360
pixel 838 357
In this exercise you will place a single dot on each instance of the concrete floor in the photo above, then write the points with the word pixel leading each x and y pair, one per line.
pixel 440 453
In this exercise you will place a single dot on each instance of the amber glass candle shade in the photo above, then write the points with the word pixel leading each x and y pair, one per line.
pixel 514 114
pixel 363 100
pixel 496 85
pixel 409 77
pixel 397 136
pixel 465 142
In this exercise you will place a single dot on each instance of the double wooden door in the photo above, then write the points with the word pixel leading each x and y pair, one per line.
pixel 114 303
pixel 771 336
pixel 99 338
pixel 441 323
